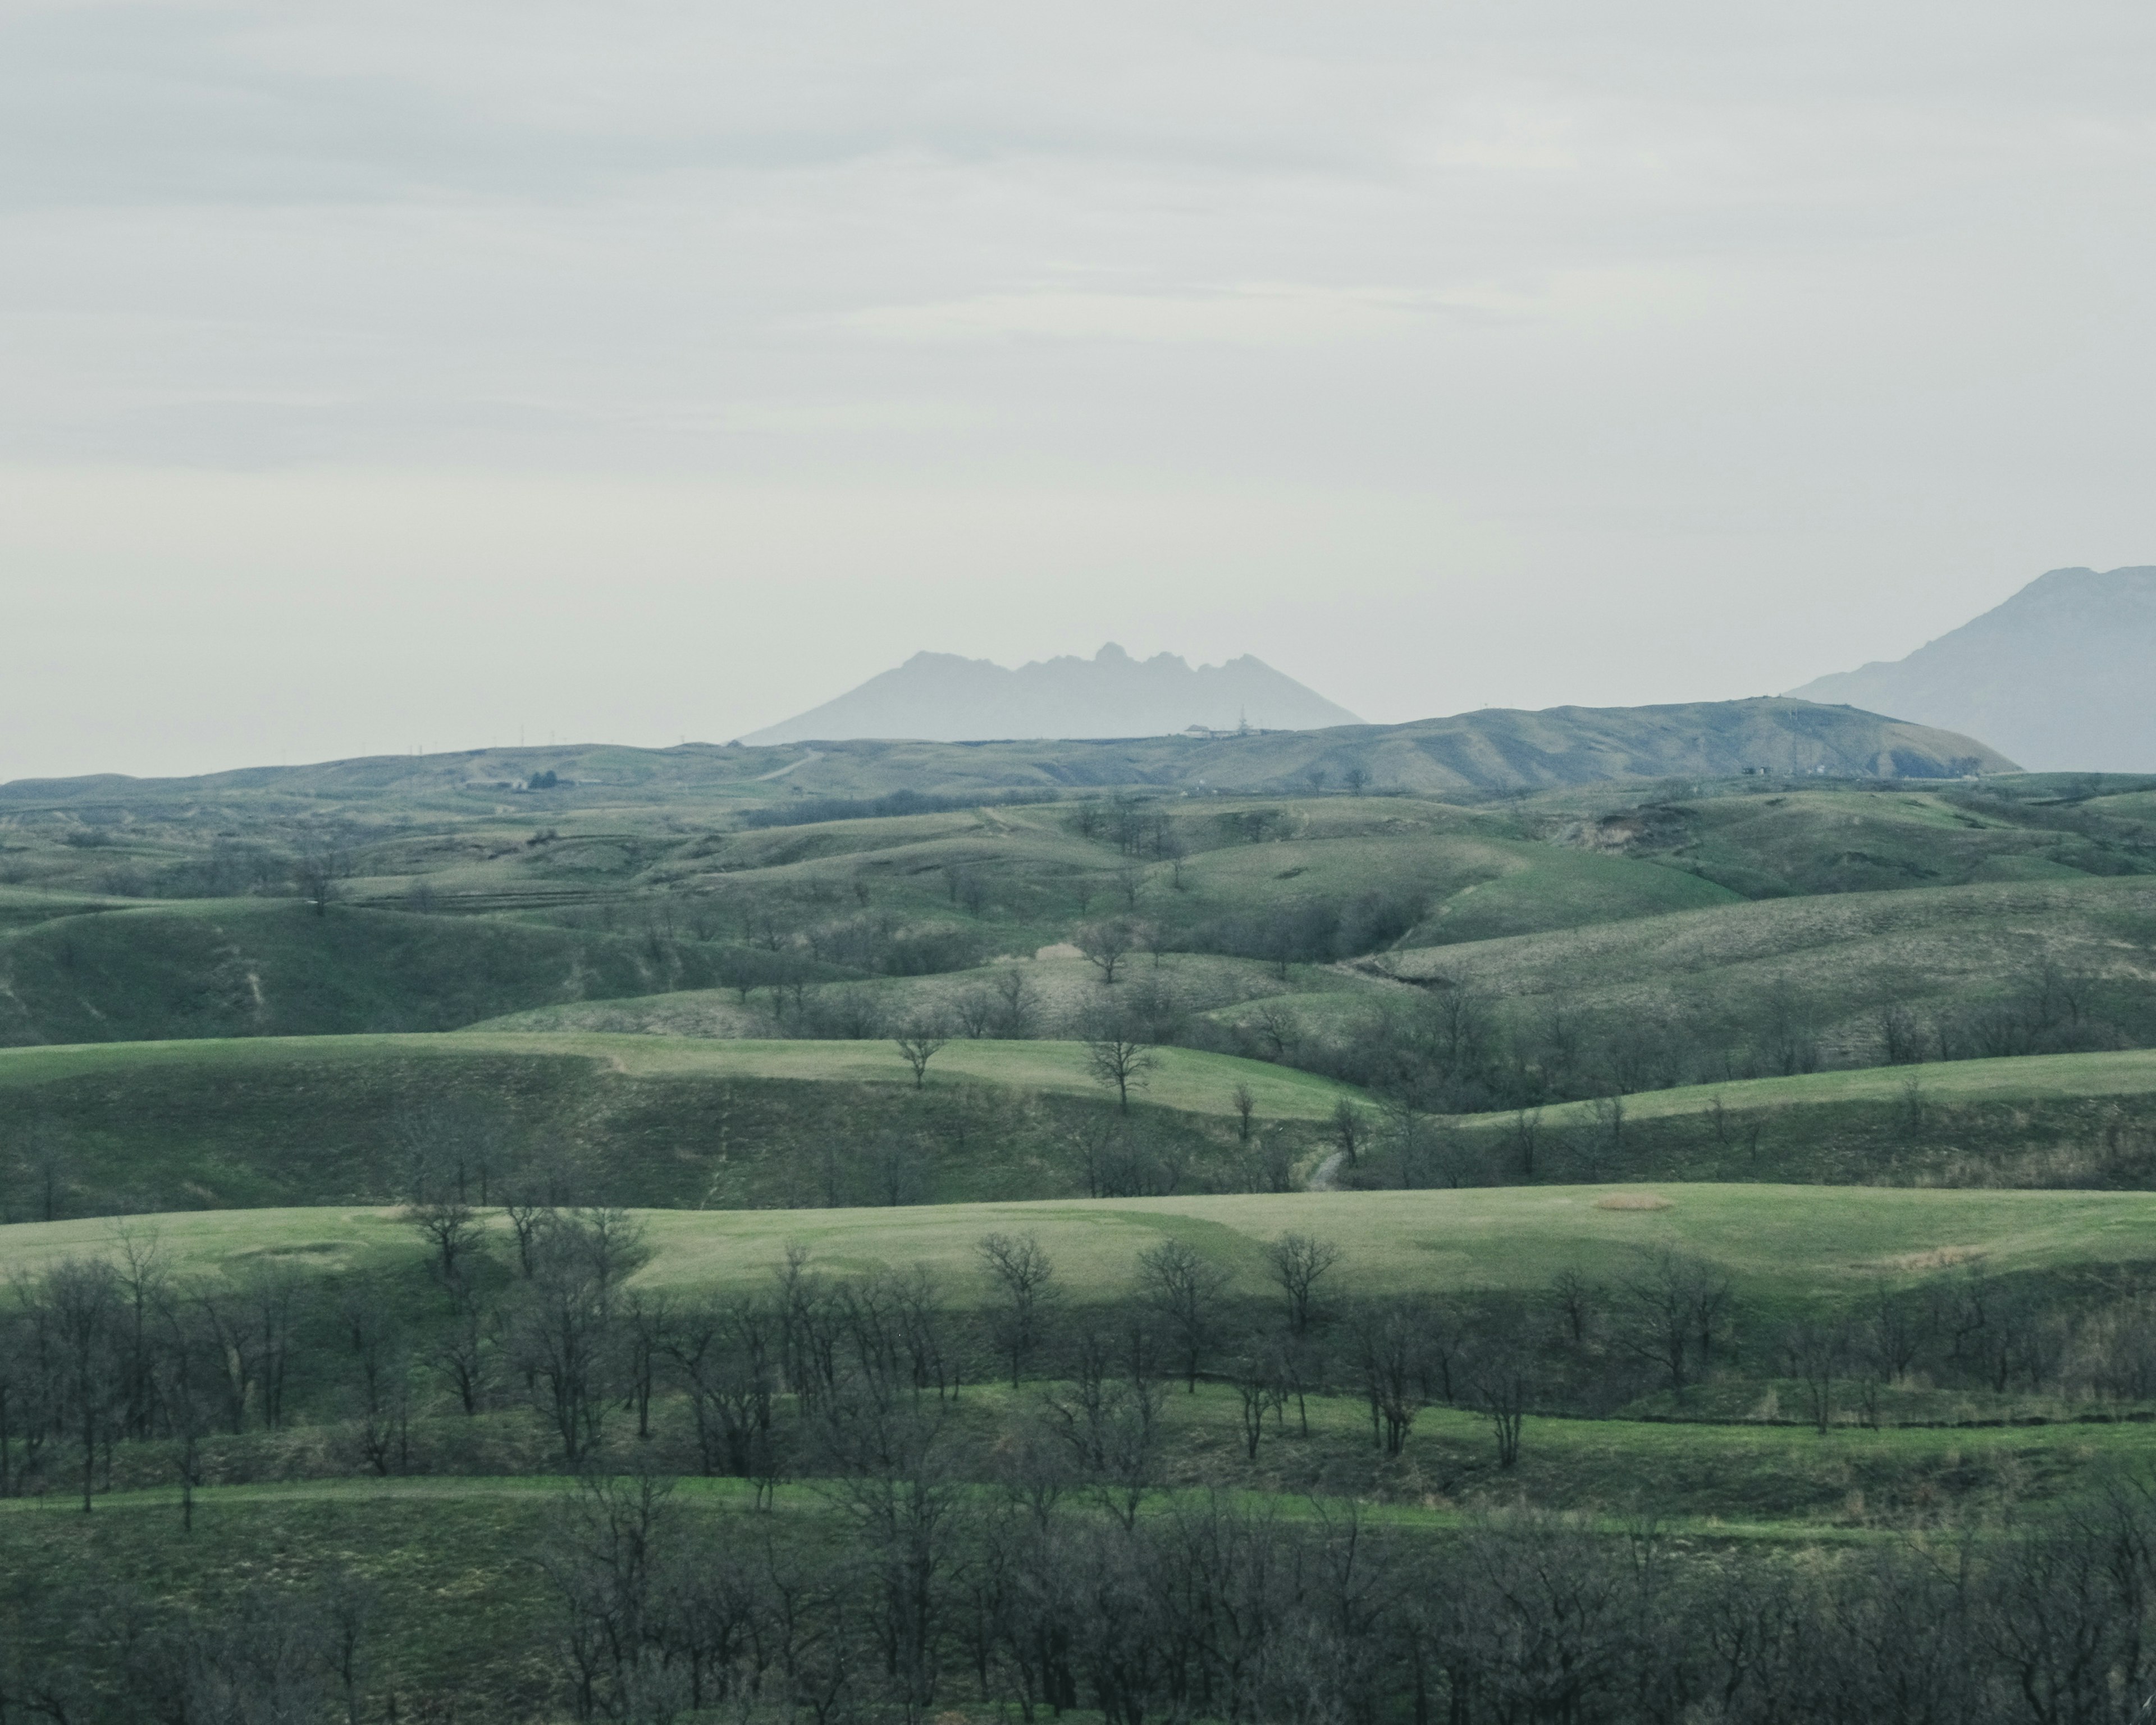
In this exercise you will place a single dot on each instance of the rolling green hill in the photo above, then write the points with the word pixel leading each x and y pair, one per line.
pixel 1864 840
pixel 635 1120
pixel 254 967
pixel 1816 974
pixel 1785 1243
pixel 2056 1121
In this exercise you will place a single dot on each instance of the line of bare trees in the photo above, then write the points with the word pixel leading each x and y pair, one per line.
pixel 927 1595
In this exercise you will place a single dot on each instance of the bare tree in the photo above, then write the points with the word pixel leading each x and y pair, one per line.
pixel 976 1012
pixel 1575 1297
pixel 1678 1308
pixel 921 1042
pixel 1110 1422
pixel 1117 1056
pixel 1018 1006
pixel 1503 1387
pixel 1356 777
pixel 81 1297
pixel 1106 944
pixel 321 863
pixel 452 1229
pixel 1025 1278
pixel 1245 1105
pixel 1389 1339
pixel 1349 1130
pixel 1186 1291
pixel 1298 1262
pixel 1174 852
pixel 1817 1352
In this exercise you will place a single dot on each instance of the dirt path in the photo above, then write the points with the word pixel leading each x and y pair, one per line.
pixel 766 778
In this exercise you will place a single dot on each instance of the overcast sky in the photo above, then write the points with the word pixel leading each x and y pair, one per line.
pixel 388 375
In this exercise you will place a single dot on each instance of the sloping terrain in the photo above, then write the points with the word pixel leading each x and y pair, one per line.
pixel 2058 676
pixel 638 1120
pixel 1489 750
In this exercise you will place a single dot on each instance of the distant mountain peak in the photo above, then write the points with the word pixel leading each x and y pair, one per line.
pixel 2058 676
pixel 943 697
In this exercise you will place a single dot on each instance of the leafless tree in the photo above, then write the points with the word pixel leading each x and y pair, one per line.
pixel 1349 1130
pixel 1174 852
pixel 321 863
pixel 1018 1006
pixel 920 1043
pixel 1106 944
pixel 460 1353
pixel 1186 1291
pixel 1502 1378
pixel 81 1298
pixel 1676 1309
pixel 1277 1029
pixel 1356 777
pixel 1245 1105
pixel 1818 1351
pixel 1389 1338
pixel 452 1230
pixel 1109 1421
pixel 976 1012
pixel 1117 1055
pixel 1575 1298
pixel 726 1352
pixel 1298 1262
pixel 1024 1280
pixel 381 1368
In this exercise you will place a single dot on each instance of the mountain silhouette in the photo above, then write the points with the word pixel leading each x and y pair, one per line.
pixel 2059 677
pixel 940 697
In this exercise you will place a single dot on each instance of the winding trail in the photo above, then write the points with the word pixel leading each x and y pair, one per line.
pixel 766 778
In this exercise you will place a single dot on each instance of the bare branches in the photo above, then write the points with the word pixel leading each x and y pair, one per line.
pixel 1298 1262
pixel 920 1043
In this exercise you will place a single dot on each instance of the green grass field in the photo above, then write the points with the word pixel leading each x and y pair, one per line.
pixel 1185 1079
pixel 1783 1242
pixel 1826 964
pixel 2087 1120
pixel 644 1120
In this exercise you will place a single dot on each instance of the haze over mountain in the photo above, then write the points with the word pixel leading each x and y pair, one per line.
pixel 940 697
pixel 2059 677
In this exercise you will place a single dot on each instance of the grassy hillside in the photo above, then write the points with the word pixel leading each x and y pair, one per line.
pixel 245 967
pixel 1821 969
pixel 1785 1243
pixel 2048 1120
pixel 1851 839
pixel 635 1120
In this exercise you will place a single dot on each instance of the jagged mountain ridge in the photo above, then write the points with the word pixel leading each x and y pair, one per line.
pixel 2058 676
pixel 940 697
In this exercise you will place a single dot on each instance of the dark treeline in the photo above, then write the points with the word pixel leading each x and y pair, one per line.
pixel 519 1340
pixel 913 1593
pixel 1205 1609
pixel 1049 1544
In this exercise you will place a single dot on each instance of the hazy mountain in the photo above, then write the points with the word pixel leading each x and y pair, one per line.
pixel 2059 677
pixel 940 697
